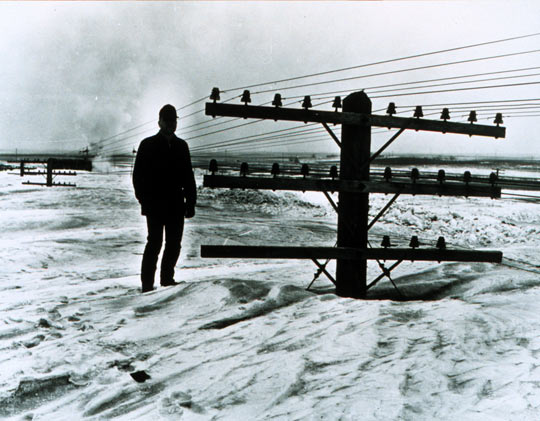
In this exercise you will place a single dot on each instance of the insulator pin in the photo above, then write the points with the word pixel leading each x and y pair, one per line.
pixel 333 172
pixel 214 96
pixel 441 243
pixel 305 170
pixel 445 114
pixel 244 169
pixel 441 175
pixel 275 169
pixel 246 97
pixel 213 167
pixel 337 103
pixel 414 242
pixel 306 103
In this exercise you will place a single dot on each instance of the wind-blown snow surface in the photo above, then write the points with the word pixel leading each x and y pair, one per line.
pixel 244 340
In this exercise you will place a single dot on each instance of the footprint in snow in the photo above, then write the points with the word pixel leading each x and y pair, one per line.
pixel 177 402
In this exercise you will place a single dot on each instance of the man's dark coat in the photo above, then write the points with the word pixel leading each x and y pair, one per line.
pixel 163 177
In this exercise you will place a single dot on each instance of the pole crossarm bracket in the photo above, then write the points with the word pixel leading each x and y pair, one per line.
pixel 349 253
pixel 383 211
pixel 322 269
pixel 352 186
pixel 332 201
pixel 31 183
pixel 383 147
pixel 332 134
pixel 68 173
pixel 386 272
pixel 353 119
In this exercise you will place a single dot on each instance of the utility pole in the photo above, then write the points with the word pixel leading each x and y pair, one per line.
pixel 354 186
pixel 353 207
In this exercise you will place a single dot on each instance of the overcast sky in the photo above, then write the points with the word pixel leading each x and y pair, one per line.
pixel 73 74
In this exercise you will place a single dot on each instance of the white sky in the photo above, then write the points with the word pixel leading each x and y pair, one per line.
pixel 75 73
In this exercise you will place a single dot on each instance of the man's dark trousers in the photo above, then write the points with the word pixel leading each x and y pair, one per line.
pixel 173 227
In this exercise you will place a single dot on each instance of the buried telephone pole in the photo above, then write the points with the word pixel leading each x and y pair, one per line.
pixel 354 186
pixel 353 207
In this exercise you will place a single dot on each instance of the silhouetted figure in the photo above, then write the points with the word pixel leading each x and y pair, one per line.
pixel 165 187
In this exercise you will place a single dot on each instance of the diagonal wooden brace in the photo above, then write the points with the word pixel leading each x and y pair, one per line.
pixel 382 148
pixel 322 268
pixel 329 130
pixel 386 272
pixel 383 211
pixel 332 202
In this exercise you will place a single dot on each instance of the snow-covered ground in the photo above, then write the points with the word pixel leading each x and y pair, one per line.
pixel 243 339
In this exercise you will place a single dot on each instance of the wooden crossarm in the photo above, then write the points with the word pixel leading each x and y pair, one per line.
pixel 306 115
pixel 345 253
pixel 351 186
pixel 270 252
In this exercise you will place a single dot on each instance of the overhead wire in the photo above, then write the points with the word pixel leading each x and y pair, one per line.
pixel 458 89
pixel 209 124
pixel 260 138
pixel 390 72
pixel 151 121
pixel 471 102
pixel 324 94
pixel 387 61
pixel 451 83
pixel 250 137
pixel 480 87
pixel 103 144
pixel 381 73
pixel 258 143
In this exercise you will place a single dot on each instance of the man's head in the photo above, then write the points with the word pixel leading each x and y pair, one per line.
pixel 167 119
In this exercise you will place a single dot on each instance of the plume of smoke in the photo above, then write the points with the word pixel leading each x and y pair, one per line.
pixel 90 74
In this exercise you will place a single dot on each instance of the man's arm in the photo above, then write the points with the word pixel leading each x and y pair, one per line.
pixel 139 171
pixel 190 188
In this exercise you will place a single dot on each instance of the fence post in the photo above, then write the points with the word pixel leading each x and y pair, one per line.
pixel 353 207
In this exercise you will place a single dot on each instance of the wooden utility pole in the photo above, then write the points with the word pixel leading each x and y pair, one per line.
pixel 353 186
pixel 51 170
pixel 353 207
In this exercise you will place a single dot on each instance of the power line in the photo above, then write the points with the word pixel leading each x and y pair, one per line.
pixel 260 141
pixel 153 121
pixel 226 129
pixel 208 123
pixel 386 61
pixel 235 140
pixel 445 64
pixel 431 66
pixel 530 115
pixel 398 84
pixel 455 83
pixel 282 142
pixel 458 89
pixel 111 139
pixel 323 94
pixel 252 136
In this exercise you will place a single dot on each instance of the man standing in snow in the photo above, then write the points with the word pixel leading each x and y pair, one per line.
pixel 165 187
